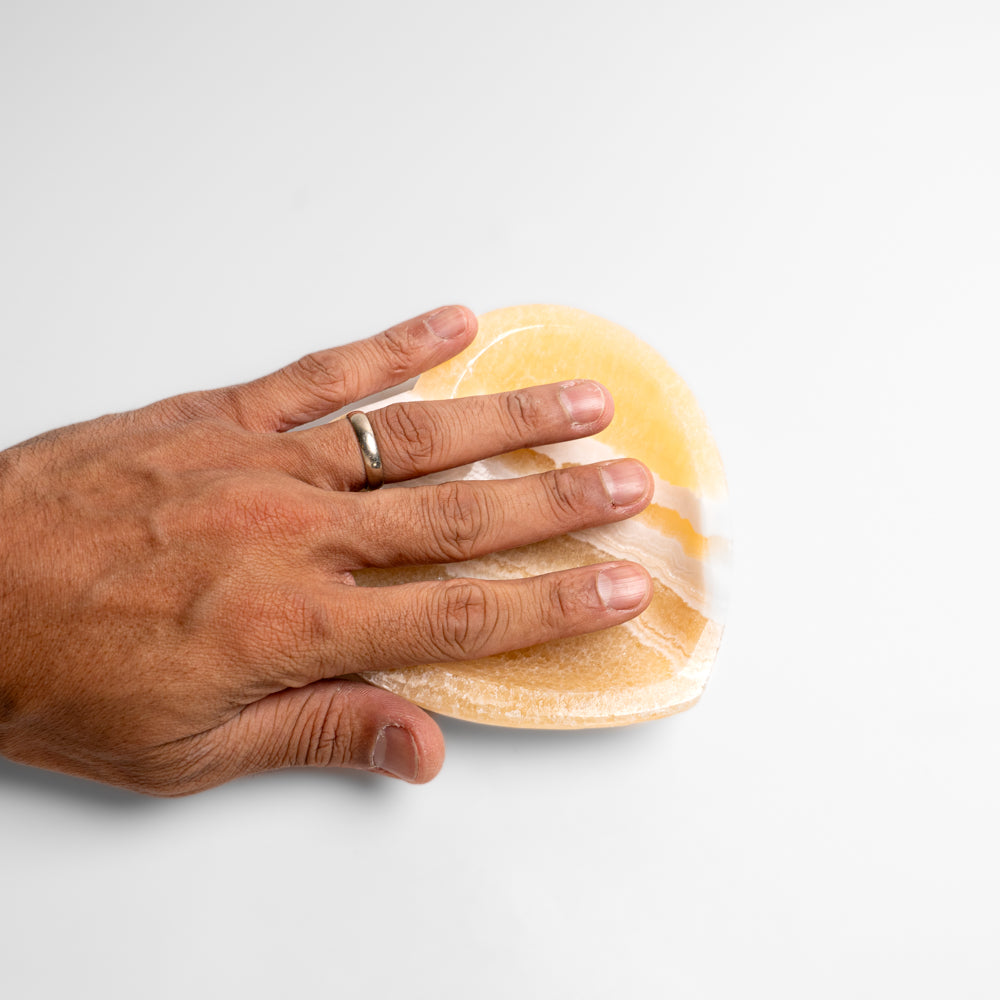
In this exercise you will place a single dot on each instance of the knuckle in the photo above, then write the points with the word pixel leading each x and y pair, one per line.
pixel 465 619
pixel 327 375
pixel 305 623
pixel 456 517
pixel 398 351
pixel 283 629
pixel 564 601
pixel 255 507
pixel 209 445
pixel 419 437
pixel 566 492
pixel 212 442
pixel 187 407
pixel 523 411
pixel 561 606
pixel 320 734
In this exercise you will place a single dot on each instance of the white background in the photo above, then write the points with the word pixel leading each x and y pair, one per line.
pixel 798 204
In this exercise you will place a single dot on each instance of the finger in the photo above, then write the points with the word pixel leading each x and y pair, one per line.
pixel 323 382
pixel 384 627
pixel 463 520
pixel 330 724
pixel 415 439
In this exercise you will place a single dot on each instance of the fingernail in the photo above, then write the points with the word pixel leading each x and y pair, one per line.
pixel 447 323
pixel 396 752
pixel 583 402
pixel 625 481
pixel 622 587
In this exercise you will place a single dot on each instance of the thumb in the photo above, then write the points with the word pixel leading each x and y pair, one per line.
pixel 336 723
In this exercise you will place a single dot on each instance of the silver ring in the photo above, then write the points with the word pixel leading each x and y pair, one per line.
pixel 374 474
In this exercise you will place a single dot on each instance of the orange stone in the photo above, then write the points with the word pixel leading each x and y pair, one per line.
pixel 655 664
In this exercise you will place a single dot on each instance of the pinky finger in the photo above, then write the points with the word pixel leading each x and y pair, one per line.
pixel 467 619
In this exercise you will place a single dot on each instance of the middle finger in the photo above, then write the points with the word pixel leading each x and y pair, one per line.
pixel 462 520
pixel 417 438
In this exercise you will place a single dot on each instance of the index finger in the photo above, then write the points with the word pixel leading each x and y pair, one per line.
pixel 324 381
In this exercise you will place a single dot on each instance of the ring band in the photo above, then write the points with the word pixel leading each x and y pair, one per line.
pixel 374 474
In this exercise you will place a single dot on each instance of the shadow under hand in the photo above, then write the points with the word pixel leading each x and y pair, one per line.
pixel 34 781
pixel 352 784
pixel 509 739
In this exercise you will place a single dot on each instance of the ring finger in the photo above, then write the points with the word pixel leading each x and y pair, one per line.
pixel 418 438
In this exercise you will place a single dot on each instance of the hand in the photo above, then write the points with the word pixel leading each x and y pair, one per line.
pixel 176 600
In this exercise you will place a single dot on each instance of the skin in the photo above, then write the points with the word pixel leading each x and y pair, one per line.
pixel 177 606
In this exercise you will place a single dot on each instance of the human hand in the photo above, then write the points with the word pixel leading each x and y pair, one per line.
pixel 176 600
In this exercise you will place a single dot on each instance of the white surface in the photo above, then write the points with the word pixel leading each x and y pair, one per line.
pixel 798 204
